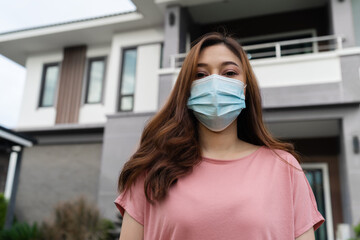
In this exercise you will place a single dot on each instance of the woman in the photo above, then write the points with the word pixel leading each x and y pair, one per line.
pixel 207 168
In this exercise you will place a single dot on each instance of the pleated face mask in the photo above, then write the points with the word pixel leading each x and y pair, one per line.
pixel 216 101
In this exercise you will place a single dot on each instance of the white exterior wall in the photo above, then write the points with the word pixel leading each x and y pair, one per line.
pixel 146 87
pixel 30 114
pixel 94 113
pixel 150 39
pixel 147 78
pixel 298 70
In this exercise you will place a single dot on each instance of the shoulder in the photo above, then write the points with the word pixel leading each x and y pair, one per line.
pixel 136 188
pixel 284 157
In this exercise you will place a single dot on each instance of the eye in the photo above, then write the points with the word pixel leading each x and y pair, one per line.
pixel 200 75
pixel 231 73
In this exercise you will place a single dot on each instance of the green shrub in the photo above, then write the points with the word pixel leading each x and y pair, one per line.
pixel 3 208
pixel 114 233
pixel 357 232
pixel 107 226
pixel 21 231
pixel 118 222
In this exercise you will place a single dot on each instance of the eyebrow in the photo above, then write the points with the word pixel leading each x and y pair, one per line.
pixel 223 64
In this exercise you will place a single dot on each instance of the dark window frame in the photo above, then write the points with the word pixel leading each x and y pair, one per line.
pixel 87 79
pixel 123 50
pixel 43 79
pixel 161 55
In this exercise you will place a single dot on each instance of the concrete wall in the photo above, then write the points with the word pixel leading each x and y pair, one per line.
pixel 53 173
pixel 298 70
pixel 342 21
pixel 33 116
pixel 94 113
pixel 351 129
pixel 121 138
pixel 336 92
pixel 147 79
pixel 356 20
pixel 166 83
pixel 30 114
pixel 148 42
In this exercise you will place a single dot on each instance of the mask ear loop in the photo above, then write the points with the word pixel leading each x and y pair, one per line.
pixel 244 89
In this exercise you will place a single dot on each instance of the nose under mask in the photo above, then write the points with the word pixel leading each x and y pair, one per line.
pixel 216 101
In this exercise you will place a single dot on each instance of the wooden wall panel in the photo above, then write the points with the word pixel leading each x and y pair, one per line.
pixel 70 85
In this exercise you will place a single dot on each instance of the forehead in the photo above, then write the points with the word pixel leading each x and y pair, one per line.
pixel 216 54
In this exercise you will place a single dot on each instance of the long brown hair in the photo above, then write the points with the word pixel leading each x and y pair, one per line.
pixel 169 145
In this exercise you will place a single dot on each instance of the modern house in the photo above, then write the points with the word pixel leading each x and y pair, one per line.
pixel 93 84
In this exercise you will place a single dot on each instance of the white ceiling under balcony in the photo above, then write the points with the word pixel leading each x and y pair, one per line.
pixel 210 11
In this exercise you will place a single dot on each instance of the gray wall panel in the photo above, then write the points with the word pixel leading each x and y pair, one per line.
pixel 346 91
pixel 54 173
pixel 176 24
pixel 342 20
pixel 350 73
pixel 121 138
pixel 165 87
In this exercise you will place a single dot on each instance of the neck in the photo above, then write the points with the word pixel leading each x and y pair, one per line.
pixel 219 144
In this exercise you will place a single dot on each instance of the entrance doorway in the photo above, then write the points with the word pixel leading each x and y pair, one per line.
pixel 320 161
pixel 318 176
pixel 318 145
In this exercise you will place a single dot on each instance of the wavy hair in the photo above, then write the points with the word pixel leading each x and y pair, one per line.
pixel 169 145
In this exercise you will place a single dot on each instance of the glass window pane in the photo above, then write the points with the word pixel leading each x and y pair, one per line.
pixel 95 81
pixel 127 103
pixel 128 72
pixel 315 179
pixel 49 88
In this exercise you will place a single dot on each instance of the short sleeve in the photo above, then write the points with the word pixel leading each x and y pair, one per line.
pixel 306 214
pixel 133 201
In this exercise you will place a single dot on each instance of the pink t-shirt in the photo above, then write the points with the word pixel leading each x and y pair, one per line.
pixel 258 196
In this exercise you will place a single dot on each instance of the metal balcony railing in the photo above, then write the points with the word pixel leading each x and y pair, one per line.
pixel 280 49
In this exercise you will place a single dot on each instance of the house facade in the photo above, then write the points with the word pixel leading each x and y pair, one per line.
pixel 92 85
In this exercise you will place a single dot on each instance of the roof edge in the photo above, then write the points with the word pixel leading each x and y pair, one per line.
pixel 15 137
pixel 67 22
pixel 62 127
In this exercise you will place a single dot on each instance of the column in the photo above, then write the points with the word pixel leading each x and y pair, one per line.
pixel 176 21
pixel 342 21
pixel 12 181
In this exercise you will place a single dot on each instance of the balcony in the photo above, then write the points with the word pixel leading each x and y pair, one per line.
pixel 296 62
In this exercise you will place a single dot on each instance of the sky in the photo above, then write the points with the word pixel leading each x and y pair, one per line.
pixel 21 14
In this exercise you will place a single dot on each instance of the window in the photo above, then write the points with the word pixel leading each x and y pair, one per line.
pixel 49 84
pixel 161 55
pixel 127 83
pixel 95 80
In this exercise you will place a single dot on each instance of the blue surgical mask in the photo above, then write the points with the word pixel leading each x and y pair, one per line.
pixel 216 101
